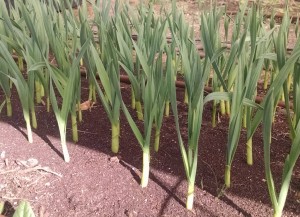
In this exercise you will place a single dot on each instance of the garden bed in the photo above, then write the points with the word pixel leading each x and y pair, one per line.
pixel 97 183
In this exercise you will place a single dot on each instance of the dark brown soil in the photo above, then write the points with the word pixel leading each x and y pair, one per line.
pixel 96 183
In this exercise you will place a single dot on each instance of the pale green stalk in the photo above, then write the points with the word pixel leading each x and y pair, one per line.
pixel 21 85
pixel 149 55
pixel 133 103
pixel 115 128
pixel 259 42
pixel 280 46
pixel 33 118
pixel 222 104
pixel 214 114
pixel 150 97
pixel 159 75
pixel 245 118
pixel 38 91
pixel 66 78
pixel 211 39
pixel 157 138
pixel 20 63
pixel 286 66
pixel 278 200
pixel 245 81
pixel 167 108
pixel 127 59
pixel 209 26
pixel 227 106
pixel 86 32
pixel 195 75
pixel 266 79
pixel 8 107
pixel 74 124
pixel 109 97
pixel 90 98
pixel 79 111
pixel 31 50
pixel 48 104
pixel 278 82
pixel 139 110
pixel 150 41
pixel 186 97
pixel 36 46
pixel 103 62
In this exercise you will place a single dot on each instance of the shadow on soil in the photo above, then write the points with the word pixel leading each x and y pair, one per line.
pixel 8 209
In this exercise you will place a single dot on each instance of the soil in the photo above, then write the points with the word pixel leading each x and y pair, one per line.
pixel 98 183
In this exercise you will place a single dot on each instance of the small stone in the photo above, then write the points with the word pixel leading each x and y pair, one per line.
pixel 32 162
pixel 2 186
pixel 114 159
pixel 2 155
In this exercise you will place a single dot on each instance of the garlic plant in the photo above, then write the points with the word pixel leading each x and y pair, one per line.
pixel 55 44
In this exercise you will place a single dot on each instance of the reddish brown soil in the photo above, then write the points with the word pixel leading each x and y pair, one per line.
pixel 95 183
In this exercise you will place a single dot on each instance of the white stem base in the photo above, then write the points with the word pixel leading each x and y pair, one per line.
pixel 146 169
pixel 190 197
